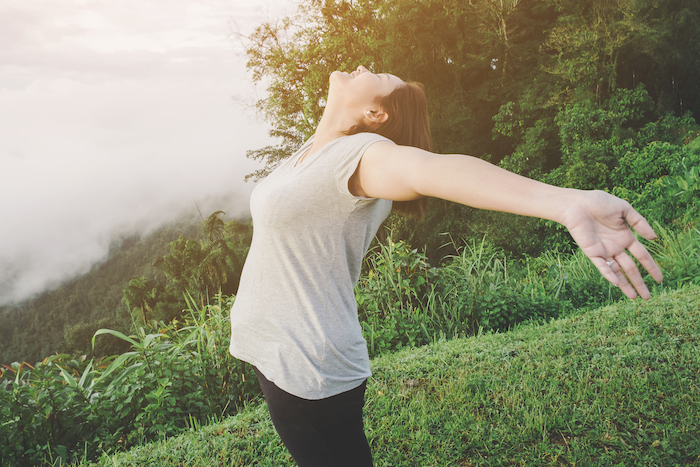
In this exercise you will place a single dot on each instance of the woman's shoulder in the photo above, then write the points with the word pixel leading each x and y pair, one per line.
pixel 366 136
pixel 359 141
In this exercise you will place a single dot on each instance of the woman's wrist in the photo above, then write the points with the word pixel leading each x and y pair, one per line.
pixel 568 201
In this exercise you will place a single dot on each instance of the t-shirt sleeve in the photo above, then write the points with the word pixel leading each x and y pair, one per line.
pixel 353 148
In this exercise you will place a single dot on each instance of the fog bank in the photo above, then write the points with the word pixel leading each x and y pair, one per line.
pixel 116 117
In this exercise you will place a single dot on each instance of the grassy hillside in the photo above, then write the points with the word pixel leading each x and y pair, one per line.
pixel 615 386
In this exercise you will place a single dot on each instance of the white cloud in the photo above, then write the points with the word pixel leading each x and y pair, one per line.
pixel 114 117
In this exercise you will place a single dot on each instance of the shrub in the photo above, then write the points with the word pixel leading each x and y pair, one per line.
pixel 575 279
pixel 175 374
pixel 494 293
pixel 404 302
pixel 678 256
pixel 392 297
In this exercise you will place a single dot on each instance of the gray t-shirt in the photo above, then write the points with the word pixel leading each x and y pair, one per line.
pixel 295 315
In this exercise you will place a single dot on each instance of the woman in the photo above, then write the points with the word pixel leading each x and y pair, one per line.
pixel 295 316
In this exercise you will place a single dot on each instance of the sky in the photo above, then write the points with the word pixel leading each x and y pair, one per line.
pixel 115 118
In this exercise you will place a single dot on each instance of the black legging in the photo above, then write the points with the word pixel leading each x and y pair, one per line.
pixel 320 433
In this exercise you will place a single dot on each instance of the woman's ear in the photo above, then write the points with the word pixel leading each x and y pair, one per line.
pixel 376 116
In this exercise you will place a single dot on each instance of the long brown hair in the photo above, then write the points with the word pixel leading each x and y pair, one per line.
pixel 407 125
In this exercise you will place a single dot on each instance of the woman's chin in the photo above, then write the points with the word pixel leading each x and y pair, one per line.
pixel 337 81
pixel 337 74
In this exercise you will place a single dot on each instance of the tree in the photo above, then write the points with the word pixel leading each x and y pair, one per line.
pixel 140 293
pixel 536 85
pixel 209 265
pixel 501 13
pixel 587 40
pixel 295 56
pixel 215 253
pixel 213 227
pixel 661 54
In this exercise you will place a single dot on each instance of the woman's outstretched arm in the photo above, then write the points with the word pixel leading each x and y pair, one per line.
pixel 598 222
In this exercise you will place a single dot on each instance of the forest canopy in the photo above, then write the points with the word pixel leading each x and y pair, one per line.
pixel 582 94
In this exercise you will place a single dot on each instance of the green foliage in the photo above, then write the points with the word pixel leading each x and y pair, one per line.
pixel 79 337
pixel 494 293
pixel 661 179
pixel 630 107
pixel 678 255
pixel 173 375
pixel 206 266
pixel 392 297
pixel 534 156
pixel 295 56
pixel 677 130
pixel 684 188
pixel 398 279
pixel 638 166
pixel 586 39
pixel 566 92
pixel 404 302
pixel 465 54
pixel 575 279
pixel 142 294
pixel 127 288
pixel 593 136
pixel 664 35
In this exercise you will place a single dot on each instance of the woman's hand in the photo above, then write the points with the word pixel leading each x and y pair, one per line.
pixel 601 226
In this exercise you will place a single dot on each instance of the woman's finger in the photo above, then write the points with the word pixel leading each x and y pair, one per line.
pixel 640 225
pixel 606 270
pixel 646 260
pixel 633 283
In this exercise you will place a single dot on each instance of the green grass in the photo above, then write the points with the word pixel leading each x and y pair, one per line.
pixel 616 386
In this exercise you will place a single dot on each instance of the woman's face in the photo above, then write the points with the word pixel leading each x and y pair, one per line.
pixel 363 87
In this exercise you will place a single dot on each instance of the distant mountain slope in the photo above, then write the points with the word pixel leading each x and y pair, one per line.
pixel 33 329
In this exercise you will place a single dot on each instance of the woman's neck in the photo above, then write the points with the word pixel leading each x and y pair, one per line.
pixel 333 125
